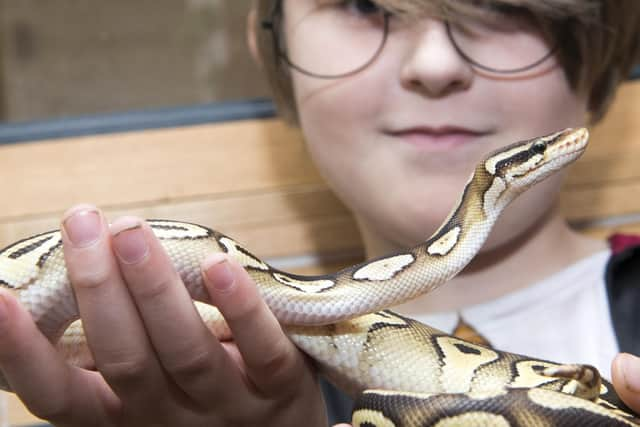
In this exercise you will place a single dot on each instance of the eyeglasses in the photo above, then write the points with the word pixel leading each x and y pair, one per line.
pixel 335 38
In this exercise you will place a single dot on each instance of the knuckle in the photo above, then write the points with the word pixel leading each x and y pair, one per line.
pixel 132 370
pixel 277 363
pixel 90 278
pixel 243 309
pixel 191 365
pixel 153 288
pixel 280 365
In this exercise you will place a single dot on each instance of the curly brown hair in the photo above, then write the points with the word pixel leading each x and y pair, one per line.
pixel 599 42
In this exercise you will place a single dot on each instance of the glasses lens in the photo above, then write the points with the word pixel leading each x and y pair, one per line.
pixel 502 42
pixel 332 38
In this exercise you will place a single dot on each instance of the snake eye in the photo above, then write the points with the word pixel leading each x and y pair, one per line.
pixel 539 147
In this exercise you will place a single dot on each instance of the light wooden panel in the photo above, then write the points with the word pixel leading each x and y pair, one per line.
pixel 605 183
pixel 18 415
pixel 277 224
pixel 152 166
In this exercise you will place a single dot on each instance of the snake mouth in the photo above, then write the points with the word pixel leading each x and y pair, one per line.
pixel 569 138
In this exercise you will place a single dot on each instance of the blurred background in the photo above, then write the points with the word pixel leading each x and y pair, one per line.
pixel 82 57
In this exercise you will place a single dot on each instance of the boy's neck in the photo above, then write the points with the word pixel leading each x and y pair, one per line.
pixel 546 248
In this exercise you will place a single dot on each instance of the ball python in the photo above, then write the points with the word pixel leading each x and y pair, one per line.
pixel 408 374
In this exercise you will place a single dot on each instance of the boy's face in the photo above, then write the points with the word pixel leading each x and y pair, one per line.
pixel 398 140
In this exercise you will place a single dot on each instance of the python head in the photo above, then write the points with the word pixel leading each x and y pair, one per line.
pixel 515 168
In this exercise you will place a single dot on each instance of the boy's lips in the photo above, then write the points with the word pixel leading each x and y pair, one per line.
pixel 437 138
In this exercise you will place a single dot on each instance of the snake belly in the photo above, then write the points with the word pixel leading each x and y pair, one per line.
pixel 337 318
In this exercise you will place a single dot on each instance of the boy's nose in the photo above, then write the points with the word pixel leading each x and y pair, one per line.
pixel 432 64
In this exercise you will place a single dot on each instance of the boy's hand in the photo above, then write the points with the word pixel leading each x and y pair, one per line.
pixel 157 363
pixel 626 379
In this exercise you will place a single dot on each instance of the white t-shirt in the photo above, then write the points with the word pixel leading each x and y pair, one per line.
pixel 564 318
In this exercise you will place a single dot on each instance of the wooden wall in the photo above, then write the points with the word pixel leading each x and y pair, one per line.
pixel 602 194
pixel 69 57
pixel 253 181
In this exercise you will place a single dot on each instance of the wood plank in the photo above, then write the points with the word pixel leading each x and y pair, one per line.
pixel 152 166
pixel 18 414
pixel 272 224
pixel 614 150
pixel 606 181
pixel 597 202
pixel 621 127
pixel 603 232
pixel 615 166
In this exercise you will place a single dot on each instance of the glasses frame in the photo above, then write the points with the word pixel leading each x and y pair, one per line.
pixel 492 70
pixel 272 24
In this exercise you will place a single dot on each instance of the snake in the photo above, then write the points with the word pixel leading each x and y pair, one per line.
pixel 404 373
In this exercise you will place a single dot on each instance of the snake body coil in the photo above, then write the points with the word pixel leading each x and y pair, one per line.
pixel 422 376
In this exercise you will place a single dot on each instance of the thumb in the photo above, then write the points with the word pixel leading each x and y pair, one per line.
pixel 625 372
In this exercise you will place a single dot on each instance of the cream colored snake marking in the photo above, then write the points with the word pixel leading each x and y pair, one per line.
pixel 424 376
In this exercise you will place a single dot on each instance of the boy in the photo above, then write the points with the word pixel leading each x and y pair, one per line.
pixel 398 99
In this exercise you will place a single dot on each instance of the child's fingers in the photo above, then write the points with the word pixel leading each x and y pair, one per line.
pixel 626 379
pixel 38 374
pixel 272 361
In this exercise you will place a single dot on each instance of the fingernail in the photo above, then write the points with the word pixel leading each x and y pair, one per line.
pixel 631 372
pixel 218 272
pixel 83 226
pixel 129 241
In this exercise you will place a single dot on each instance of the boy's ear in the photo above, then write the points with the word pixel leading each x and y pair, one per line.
pixel 252 41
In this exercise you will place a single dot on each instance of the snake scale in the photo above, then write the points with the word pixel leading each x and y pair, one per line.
pixel 405 373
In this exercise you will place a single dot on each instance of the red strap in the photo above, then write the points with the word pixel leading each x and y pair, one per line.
pixel 619 242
